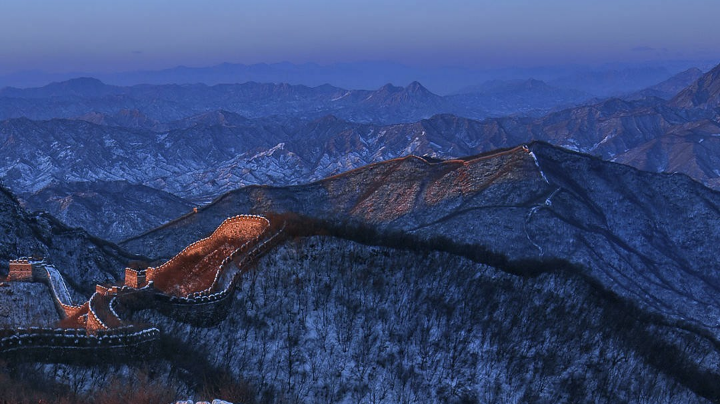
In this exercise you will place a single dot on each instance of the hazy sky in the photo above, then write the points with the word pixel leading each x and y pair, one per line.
pixel 119 35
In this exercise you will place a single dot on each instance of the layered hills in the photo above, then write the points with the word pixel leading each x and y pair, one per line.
pixel 84 97
pixel 91 99
pixel 127 208
pixel 199 157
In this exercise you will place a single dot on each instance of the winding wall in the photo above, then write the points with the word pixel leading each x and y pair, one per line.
pixel 195 268
pixel 243 239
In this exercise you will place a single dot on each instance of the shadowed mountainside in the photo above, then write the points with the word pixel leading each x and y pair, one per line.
pixel 115 209
pixel 703 93
pixel 83 260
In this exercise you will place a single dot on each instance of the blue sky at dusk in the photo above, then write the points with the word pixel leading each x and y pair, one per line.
pixel 101 35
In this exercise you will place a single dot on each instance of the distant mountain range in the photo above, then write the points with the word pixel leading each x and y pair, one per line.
pixel 670 87
pixel 200 157
pixel 165 103
pixel 86 97
pixel 604 80
pixel 90 99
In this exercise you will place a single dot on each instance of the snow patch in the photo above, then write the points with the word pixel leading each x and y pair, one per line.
pixel 269 152
pixel 341 97
pixel 537 164
pixel 527 220
pixel 605 139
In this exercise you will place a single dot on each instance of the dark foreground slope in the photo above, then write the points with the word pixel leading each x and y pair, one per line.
pixel 328 320
pixel 83 260
pixel 651 238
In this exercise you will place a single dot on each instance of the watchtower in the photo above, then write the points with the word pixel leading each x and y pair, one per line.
pixel 134 278
pixel 20 270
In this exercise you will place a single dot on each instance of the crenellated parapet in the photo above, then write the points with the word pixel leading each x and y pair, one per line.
pixel 195 268
pixel 233 228
pixel 71 344
pixel 94 323
pixel 135 278
pixel 20 270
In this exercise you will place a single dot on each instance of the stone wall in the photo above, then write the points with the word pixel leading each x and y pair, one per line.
pixel 44 272
pixel 208 308
pixel 94 323
pixel 232 233
pixel 106 334
pixel 74 344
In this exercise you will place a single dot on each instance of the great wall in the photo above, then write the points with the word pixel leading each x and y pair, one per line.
pixel 193 287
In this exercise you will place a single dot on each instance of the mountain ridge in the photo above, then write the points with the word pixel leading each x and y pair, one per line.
pixel 536 202
pixel 703 93
pixel 669 88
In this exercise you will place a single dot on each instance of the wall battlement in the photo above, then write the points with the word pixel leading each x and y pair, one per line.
pixel 70 344
pixel 20 270
pixel 135 278
pixel 195 267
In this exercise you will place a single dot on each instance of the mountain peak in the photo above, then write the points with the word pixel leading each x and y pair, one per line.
pixel 692 70
pixel 83 81
pixel 389 87
pixel 703 93
pixel 82 84
pixel 416 88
